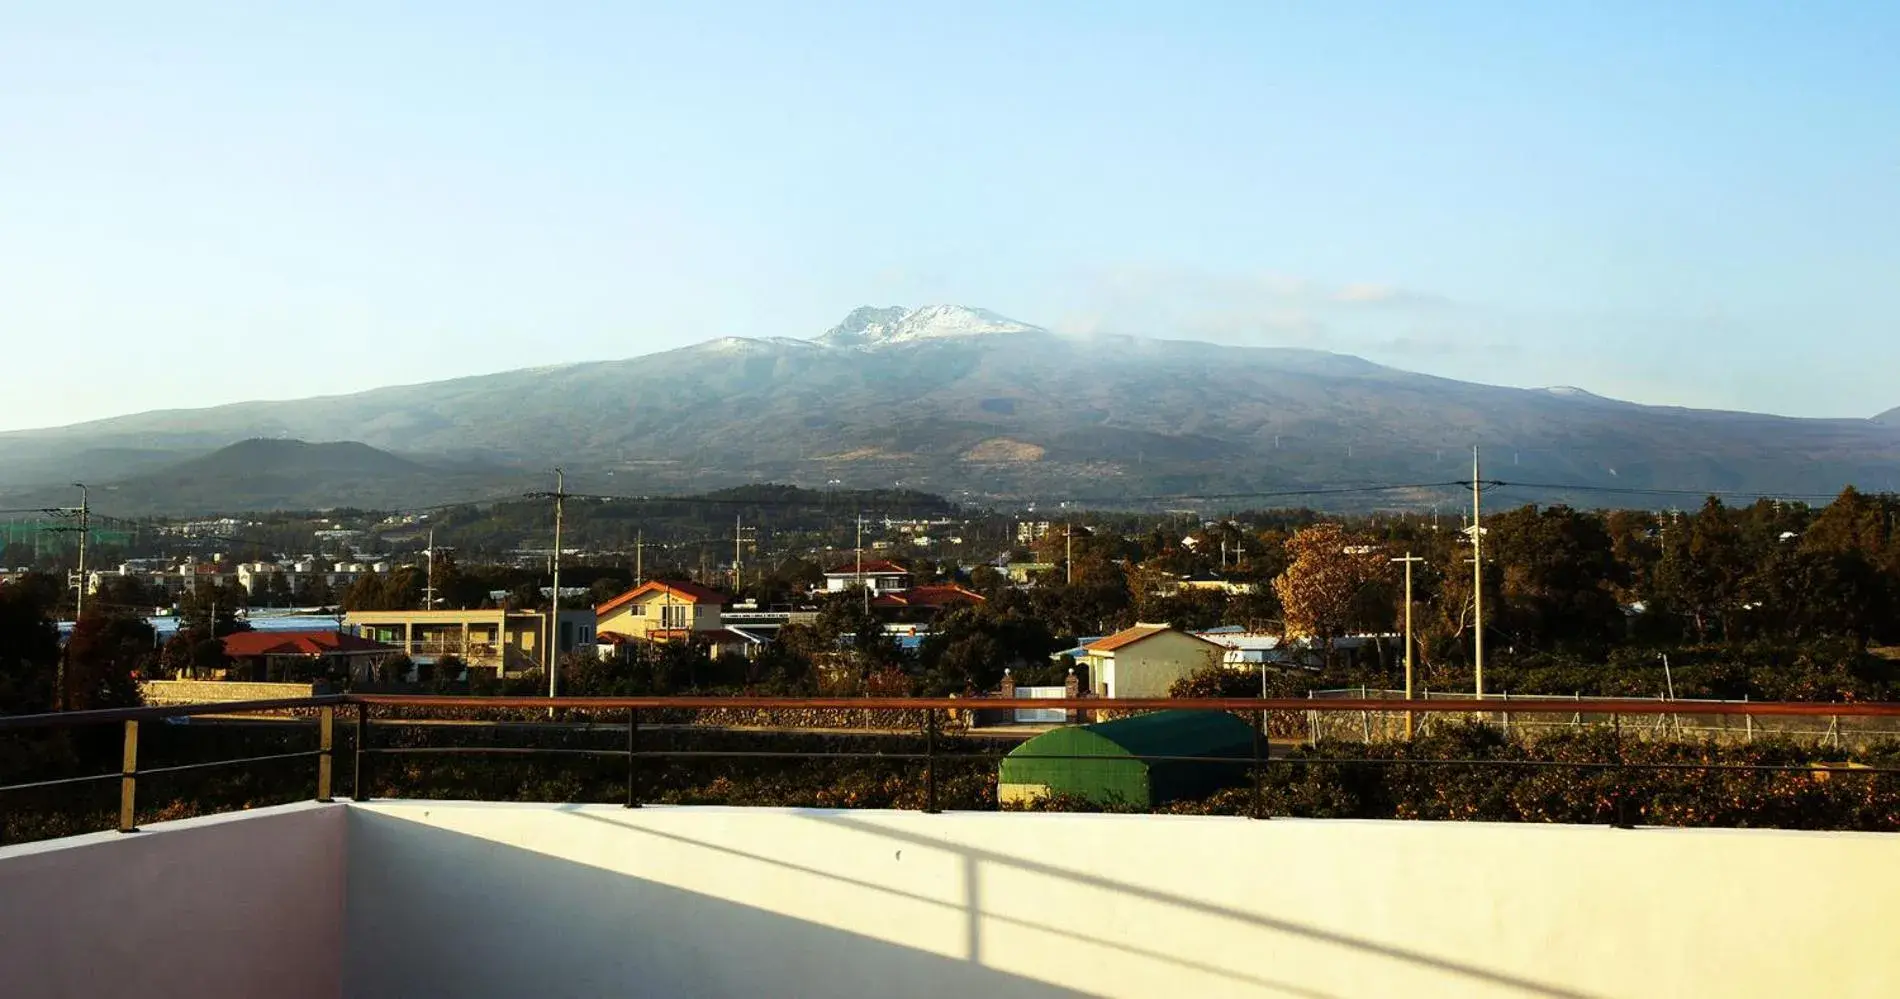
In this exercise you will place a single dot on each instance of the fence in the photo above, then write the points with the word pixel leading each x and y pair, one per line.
pixel 1724 721
pixel 626 714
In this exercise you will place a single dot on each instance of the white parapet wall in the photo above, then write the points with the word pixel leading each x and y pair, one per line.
pixel 246 904
pixel 478 900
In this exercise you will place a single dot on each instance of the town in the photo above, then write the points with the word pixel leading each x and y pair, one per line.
pixel 953 501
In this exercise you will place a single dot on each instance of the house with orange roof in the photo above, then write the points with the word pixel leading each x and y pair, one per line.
pixel 662 610
pixel 1145 660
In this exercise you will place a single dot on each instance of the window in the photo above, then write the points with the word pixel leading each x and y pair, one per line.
pixel 676 616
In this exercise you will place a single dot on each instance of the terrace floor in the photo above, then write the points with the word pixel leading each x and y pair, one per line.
pixel 410 898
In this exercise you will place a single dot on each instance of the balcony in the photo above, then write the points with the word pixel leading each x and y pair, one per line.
pixel 455 898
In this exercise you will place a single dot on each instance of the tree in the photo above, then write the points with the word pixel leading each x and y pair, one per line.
pixel 29 651
pixel 1326 570
pixel 1559 572
pixel 846 624
pixel 210 609
pixel 1701 570
pixel 972 646
pixel 398 590
pixel 110 649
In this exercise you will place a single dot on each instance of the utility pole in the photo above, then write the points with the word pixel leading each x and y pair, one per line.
pixel 1409 561
pixel 1477 572
pixel 85 528
pixel 552 653
pixel 639 557
pixel 1068 555
pixel 738 553
pixel 861 588
pixel 428 588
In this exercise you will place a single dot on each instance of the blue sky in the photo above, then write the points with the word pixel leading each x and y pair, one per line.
pixel 1679 203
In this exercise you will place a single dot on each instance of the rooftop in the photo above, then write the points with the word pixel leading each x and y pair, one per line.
pixel 879 567
pixel 682 590
pixel 300 643
pixel 391 897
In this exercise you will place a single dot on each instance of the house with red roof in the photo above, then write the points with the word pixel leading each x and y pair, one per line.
pixel 301 655
pixel 922 603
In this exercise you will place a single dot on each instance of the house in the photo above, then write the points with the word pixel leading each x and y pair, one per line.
pixel 1145 660
pixel 924 602
pixel 662 610
pixel 878 576
pixel 1210 582
pixel 1023 573
pixel 509 642
pixel 262 656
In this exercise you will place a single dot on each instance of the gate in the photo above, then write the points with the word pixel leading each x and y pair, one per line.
pixel 1042 716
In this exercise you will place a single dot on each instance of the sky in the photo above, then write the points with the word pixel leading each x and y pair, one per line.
pixel 1681 203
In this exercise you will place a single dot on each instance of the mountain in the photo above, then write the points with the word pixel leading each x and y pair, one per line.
pixel 1890 418
pixel 275 474
pixel 973 405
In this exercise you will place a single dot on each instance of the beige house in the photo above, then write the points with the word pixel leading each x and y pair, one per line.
pixel 509 642
pixel 660 610
pixel 1145 660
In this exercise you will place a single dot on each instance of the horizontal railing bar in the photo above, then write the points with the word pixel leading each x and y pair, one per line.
pixel 183 767
pixel 67 719
pixel 1549 706
pixel 499 750
pixel 1882 709
pixel 56 783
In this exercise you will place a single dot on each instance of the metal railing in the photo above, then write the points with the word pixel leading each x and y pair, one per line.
pixel 929 731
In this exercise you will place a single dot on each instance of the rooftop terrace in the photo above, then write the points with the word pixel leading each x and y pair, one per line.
pixel 417 897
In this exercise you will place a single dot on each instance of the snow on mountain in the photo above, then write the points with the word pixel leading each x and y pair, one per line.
pixel 742 344
pixel 874 327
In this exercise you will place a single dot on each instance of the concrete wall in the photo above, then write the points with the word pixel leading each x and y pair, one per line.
pixel 249 904
pixel 505 900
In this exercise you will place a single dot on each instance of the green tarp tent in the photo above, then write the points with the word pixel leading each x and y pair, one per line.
pixel 1108 770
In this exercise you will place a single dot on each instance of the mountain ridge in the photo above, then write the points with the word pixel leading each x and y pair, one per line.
pixel 962 401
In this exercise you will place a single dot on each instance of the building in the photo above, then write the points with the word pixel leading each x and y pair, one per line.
pixel 264 656
pixel 1145 660
pixel 921 603
pixel 1209 582
pixel 1028 532
pixel 878 576
pixel 1105 763
pixel 509 642
pixel 662 610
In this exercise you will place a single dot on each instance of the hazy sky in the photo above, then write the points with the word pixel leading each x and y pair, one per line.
pixel 1669 202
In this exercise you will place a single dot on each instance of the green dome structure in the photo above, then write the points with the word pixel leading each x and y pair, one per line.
pixel 1107 763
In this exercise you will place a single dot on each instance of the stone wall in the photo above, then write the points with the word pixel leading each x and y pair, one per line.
pixel 169 692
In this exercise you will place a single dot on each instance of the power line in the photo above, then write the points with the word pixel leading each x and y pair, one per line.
pixel 1657 491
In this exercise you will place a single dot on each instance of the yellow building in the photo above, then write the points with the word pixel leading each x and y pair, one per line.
pixel 509 642
pixel 1145 660
pixel 660 610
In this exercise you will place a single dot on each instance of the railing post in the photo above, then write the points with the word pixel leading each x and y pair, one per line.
pixel 1618 793
pixel 326 745
pixel 359 776
pixel 1260 754
pixel 930 761
pixel 129 779
pixel 633 757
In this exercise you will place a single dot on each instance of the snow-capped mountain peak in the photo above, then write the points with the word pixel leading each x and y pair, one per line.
pixel 873 327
